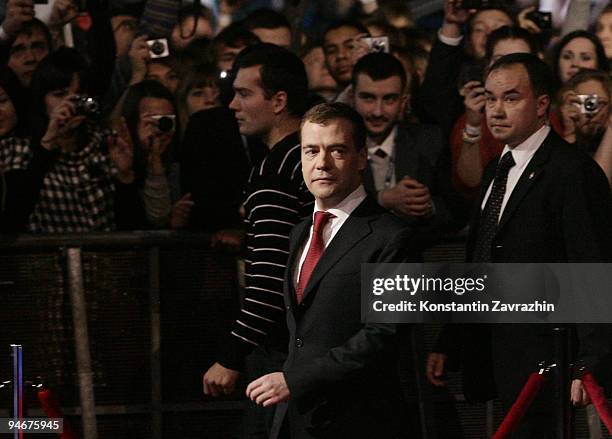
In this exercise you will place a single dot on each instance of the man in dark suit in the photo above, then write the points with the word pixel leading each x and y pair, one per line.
pixel 340 377
pixel 543 201
pixel 408 164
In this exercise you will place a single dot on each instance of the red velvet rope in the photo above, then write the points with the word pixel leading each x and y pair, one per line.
pixel 596 393
pixel 520 406
pixel 53 410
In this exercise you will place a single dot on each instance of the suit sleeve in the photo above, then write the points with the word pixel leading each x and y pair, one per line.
pixel 366 349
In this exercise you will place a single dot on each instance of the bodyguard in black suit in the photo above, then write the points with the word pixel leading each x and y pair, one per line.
pixel 542 201
pixel 340 377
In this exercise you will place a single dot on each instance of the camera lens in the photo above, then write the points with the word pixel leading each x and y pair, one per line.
pixel 165 124
pixel 157 48
pixel 591 104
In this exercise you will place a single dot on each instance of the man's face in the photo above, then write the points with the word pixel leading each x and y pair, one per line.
pixel 591 125
pixel 338 46
pixel 483 24
pixel 253 111
pixel 188 30
pixel 281 36
pixel 317 72
pixel 163 74
pixel 26 53
pixel 124 30
pixel 331 165
pixel 380 103
pixel 513 111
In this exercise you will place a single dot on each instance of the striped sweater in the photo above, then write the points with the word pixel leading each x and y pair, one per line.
pixel 276 200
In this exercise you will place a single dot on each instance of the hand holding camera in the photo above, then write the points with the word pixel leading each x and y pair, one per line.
pixel 535 21
pixel 474 103
pixel 17 13
pixel 67 117
pixel 139 58
pixel 64 11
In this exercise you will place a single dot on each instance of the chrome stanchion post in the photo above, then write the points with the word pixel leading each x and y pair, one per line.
pixel 17 354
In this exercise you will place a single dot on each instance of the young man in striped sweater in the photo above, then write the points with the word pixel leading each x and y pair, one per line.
pixel 270 97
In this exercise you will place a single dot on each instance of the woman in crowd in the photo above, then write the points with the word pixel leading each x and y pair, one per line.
pixel 87 184
pixel 150 115
pixel 578 50
pixel 603 30
pixel 198 91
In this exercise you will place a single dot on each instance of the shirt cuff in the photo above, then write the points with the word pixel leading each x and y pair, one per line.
pixel 450 41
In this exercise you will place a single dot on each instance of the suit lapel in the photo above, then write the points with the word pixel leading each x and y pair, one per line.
pixel 406 156
pixel 529 177
pixel 356 227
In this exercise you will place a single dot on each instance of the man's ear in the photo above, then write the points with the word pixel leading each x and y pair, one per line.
pixel 279 102
pixel 543 105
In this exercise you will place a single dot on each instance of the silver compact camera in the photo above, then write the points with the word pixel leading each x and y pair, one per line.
pixel 158 48
pixel 166 123
pixel 86 105
pixel 377 44
pixel 588 104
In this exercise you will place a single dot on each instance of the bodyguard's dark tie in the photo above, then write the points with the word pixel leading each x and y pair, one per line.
pixel 489 218
pixel 315 250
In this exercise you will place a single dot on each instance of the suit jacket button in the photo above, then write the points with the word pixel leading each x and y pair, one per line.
pixel 288 307
pixel 299 342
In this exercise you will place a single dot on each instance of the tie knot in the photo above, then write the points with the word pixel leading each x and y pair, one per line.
pixel 320 219
pixel 506 162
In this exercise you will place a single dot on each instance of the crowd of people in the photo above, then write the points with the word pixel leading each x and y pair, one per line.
pixel 127 104
pixel 161 115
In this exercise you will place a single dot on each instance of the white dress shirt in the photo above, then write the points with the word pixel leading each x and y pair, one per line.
pixel 522 154
pixel 380 165
pixel 342 211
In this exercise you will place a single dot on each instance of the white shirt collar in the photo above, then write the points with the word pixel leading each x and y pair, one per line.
pixel 523 152
pixel 343 210
pixel 387 145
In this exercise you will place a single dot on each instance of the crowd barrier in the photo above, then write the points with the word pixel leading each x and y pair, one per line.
pixel 156 304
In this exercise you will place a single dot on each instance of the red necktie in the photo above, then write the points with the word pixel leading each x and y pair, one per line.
pixel 315 250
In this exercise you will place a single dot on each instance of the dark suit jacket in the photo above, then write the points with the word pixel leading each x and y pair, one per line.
pixel 342 374
pixel 559 211
pixel 421 153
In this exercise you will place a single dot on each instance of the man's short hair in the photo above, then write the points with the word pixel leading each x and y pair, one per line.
pixel 510 33
pixel 539 73
pixel 325 113
pixel 280 70
pixel 379 66
pixel 265 18
pixel 29 27
pixel 346 23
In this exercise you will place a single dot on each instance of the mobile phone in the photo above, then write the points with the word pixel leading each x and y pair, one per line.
pixel 542 19
pixel 377 44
